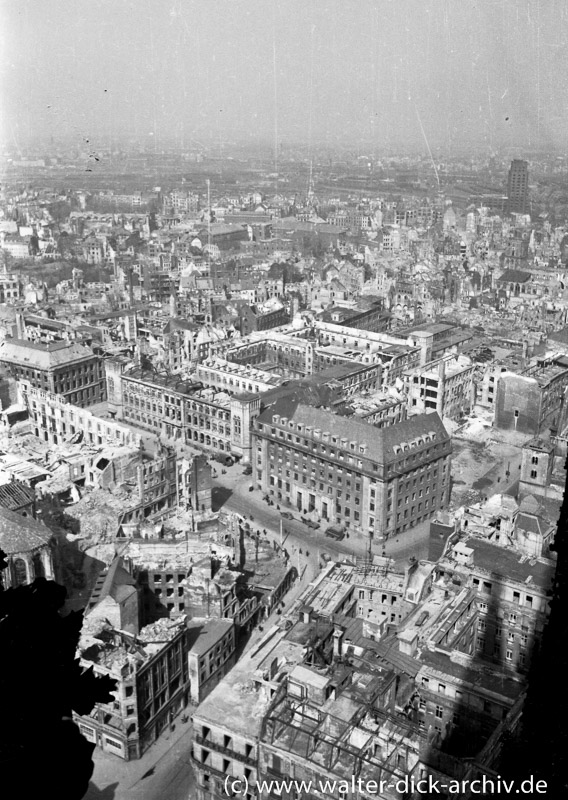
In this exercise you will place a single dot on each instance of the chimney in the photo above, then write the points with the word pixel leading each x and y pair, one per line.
pixel 337 641
pixel 20 326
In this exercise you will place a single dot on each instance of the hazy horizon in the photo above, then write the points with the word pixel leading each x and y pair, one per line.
pixel 384 74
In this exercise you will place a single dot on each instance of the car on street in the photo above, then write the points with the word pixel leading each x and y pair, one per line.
pixel 310 523
pixel 335 532
pixel 287 515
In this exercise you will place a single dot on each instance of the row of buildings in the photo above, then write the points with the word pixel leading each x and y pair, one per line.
pixel 384 675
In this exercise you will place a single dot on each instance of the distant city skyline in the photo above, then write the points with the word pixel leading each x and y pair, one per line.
pixel 423 74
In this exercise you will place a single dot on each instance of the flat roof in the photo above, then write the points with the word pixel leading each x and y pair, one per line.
pixel 204 635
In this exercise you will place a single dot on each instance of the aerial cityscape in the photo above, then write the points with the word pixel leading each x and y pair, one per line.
pixel 284 399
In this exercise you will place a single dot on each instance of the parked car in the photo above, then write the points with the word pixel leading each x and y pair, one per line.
pixel 310 523
pixel 223 458
pixel 247 470
pixel 287 515
pixel 335 532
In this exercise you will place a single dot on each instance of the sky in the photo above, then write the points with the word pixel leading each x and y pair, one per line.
pixel 374 74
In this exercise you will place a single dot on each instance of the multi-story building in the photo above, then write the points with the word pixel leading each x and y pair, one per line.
pixel 378 408
pixel 224 236
pixel 518 187
pixel 202 417
pixel 288 356
pixel 511 597
pixel 394 356
pixel 378 482
pixel 446 386
pixel 211 654
pixel 486 385
pixel 374 319
pixel 16 246
pixel 54 419
pixel 537 464
pixel 10 289
pixel 152 677
pixel 319 700
pixel 231 377
pixel 352 379
pixel 159 283
pixel 272 314
pixel 182 202
pixel 158 494
pixel 457 701
pixel 515 283
pixel 531 402
pixel 65 368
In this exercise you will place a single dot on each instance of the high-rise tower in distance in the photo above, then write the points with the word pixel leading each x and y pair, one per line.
pixel 518 187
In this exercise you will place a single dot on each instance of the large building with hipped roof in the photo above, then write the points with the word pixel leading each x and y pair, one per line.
pixel 379 482
pixel 68 369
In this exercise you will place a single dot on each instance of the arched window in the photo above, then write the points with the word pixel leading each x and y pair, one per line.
pixel 39 569
pixel 20 572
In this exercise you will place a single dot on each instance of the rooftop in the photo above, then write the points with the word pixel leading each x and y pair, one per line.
pixel 514 276
pixel 41 355
pixel 205 635
pixel 508 563
pixel 20 534
pixel 466 670
pixel 115 582
pixel 379 443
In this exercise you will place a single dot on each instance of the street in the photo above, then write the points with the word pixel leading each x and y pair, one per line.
pixel 163 773
pixel 231 493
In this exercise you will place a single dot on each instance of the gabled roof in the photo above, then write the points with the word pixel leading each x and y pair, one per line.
pixel 514 276
pixel 20 534
pixel 14 495
pixel 176 323
pixel 117 583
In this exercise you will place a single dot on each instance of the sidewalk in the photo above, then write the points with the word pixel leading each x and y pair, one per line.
pixel 410 543
pixel 125 776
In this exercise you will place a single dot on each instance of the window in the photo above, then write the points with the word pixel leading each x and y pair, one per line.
pixel 439 712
